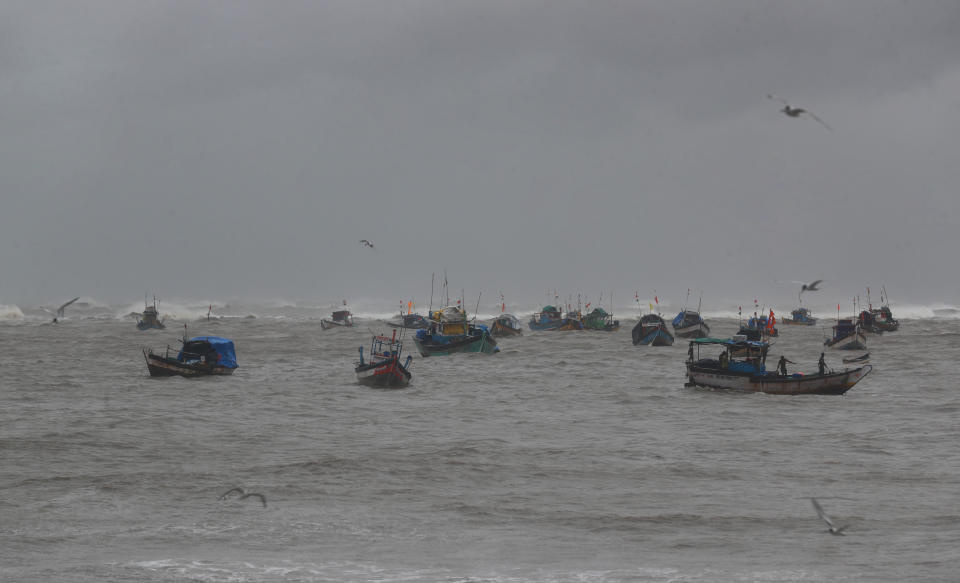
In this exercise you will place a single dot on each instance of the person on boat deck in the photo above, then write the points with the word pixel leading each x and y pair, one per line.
pixel 822 365
pixel 782 366
pixel 724 359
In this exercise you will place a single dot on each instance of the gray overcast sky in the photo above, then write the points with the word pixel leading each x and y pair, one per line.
pixel 242 149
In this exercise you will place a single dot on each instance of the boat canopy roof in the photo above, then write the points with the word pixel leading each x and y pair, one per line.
pixel 729 342
pixel 223 347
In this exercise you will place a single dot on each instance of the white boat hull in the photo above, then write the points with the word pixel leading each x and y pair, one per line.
pixel 856 341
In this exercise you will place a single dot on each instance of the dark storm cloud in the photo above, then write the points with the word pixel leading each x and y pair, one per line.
pixel 502 140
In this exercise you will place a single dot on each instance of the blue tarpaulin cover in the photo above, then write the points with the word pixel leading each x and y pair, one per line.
pixel 226 354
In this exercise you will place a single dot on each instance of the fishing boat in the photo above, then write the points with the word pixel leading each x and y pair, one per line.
pixel 857 359
pixel 450 333
pixel 200 356
pixel 600 320
pixel 410 321
pixel 572 320
pixel 150 318
pixel 548 318
pixel 383 368
pixel 340 318
pixel 847 335
pixel 506 325
pixel 800 317
pixel 765 325
pixel 878 320
pixel 748 372
pixel 689 324
pixel 652 330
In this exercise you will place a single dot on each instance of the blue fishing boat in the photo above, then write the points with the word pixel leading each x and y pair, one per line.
pixel 450 333
pixel 548 318
pixel 410 321
pixel 652 330
pixel 200 356
pixel 689 324
pixel 762 326
pixel 800 317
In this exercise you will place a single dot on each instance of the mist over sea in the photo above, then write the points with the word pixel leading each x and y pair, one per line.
pixel 567 457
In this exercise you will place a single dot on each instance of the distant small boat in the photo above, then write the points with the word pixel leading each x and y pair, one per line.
pixel 410 321
pixel 847 335
pixel 742 367
pixel 689 324
pixel 548 318
pixel 600 320
pixel 764 325
pixel 150 318
pixel 383 369
pixel 200 356
pixel 506 325
pixel 857 359
pixel 652 330
pixel 340 318
pixel 800 317
pixel 878 320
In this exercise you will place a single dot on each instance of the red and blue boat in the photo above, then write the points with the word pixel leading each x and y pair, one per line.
pixel 383 368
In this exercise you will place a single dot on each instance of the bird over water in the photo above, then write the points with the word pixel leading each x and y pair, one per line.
pixel 830 527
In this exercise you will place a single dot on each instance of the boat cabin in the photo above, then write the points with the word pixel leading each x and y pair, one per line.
pixel 738 354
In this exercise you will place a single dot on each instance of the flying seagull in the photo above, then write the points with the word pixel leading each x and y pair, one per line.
pixel 832 529
pixel 811 286
pixel 60 310
pixel 244 495
pixel 367 243
pixel 797 111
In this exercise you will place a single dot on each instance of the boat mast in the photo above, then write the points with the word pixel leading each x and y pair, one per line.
pixel 477 310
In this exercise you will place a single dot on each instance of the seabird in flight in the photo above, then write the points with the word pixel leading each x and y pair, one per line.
pixel 832 529
pixel 811 286
pixel 797 111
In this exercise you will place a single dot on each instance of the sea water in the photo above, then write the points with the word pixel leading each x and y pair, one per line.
pixel 567 457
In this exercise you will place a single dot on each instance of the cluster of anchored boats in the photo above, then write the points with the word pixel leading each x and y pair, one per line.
pixel 741 364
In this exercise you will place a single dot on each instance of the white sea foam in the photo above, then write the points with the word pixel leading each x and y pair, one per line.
pixel 10 312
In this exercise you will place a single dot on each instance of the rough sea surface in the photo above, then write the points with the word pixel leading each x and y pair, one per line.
pixel 568 457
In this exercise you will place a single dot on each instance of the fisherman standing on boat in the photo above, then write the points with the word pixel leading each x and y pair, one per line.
pixel 822 364
pixel 782 366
